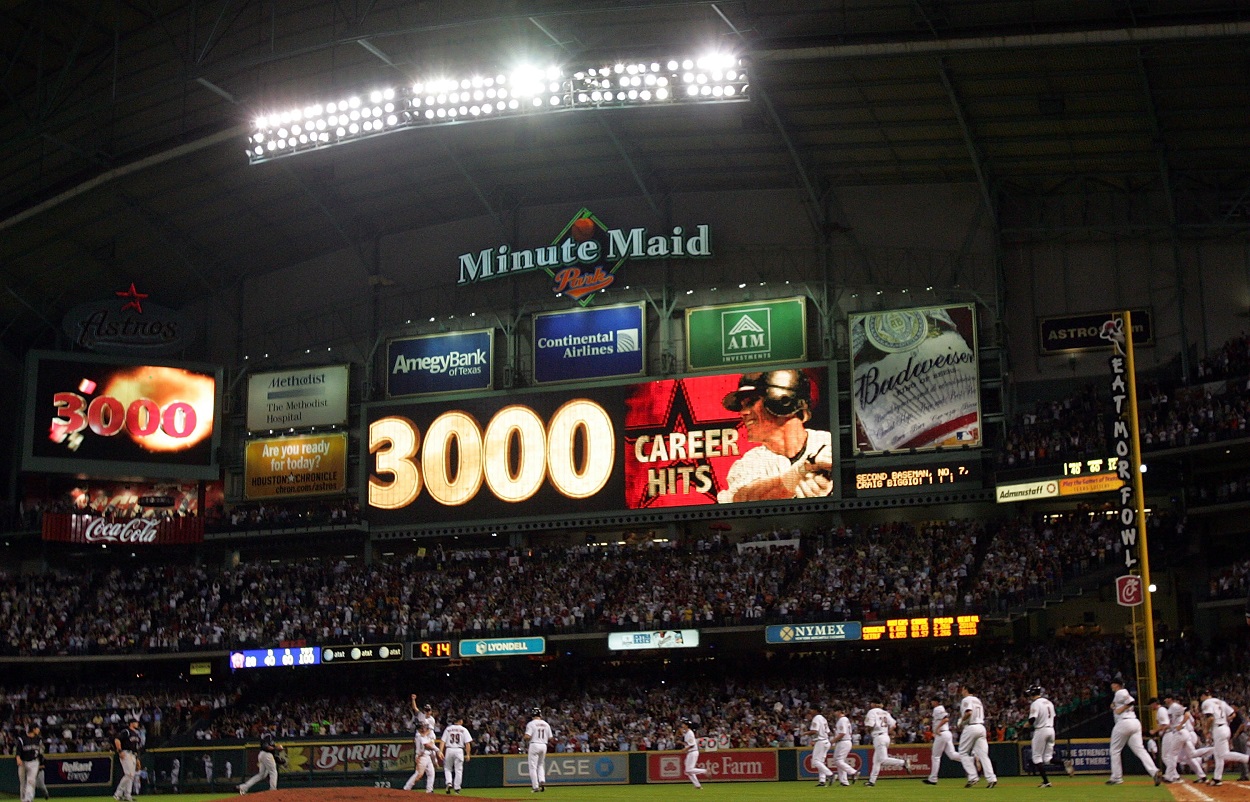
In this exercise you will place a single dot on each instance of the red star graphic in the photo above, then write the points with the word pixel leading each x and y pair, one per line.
pixel 135 297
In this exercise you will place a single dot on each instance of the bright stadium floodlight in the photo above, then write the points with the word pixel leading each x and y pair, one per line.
pixel 476 96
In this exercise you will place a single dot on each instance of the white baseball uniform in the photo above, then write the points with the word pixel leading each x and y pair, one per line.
pixel 879 722
pixel 819 730
pixel 973 745
pixel 1169 742
pixel 1189 751
pixel 428 718
pixel 760 463
pixel 1127 732
pixel 692 758
pixel 1217 713
pixel 842 749
pixel 425 747
pixel 943 741
pixel 1042 711
pixel 538 733
pixel 455 738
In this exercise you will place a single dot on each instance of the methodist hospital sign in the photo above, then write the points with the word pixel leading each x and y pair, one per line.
pixel 585 255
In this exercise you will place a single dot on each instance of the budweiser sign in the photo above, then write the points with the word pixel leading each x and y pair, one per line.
pixel 79 528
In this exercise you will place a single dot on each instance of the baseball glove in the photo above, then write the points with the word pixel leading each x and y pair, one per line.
pixel 280 759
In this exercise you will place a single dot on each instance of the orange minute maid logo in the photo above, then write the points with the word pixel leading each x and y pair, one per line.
pixel 588 237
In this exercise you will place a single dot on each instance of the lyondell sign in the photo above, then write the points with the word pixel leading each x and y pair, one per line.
pixel 502 647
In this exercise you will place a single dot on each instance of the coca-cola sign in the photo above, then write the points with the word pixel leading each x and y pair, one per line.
pixel 136 530
pixel 79 528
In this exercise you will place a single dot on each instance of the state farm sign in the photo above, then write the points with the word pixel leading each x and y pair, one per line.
pixel 733 765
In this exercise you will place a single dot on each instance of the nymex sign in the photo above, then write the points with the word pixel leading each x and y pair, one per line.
pixel 810 633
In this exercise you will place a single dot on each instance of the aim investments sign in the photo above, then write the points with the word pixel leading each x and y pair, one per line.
pixel 585 256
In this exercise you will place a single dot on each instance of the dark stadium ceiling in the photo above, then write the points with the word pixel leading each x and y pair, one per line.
pixel 122 122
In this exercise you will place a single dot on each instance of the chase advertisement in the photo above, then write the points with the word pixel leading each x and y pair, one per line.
pixel 440 363
pixel 699 440
pixel 574 768
pixel 106 417
pixel 915 379
pixel 589 343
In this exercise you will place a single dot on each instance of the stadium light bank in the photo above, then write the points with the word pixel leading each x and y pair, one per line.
pixel 527 91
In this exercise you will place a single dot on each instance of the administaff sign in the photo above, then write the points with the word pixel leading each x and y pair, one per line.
pixel 298 398
pixel 440 363
pixel 309 465
pixel 759 333
pixel 589 344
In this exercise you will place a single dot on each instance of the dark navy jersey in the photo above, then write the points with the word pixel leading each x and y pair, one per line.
pixel 28 747
pixel 129 740
pixel 267 744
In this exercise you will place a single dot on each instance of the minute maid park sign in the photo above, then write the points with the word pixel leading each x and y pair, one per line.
pixel 584 257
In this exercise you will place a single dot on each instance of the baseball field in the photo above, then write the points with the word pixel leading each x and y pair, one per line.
pixel 1015 789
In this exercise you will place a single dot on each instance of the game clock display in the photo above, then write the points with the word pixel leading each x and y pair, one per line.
pixel 431 650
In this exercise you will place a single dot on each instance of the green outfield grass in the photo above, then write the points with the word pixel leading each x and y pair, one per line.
pixel 1012 789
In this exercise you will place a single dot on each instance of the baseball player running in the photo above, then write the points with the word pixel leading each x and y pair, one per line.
pixel 1127 732
pixel 819 730
pixel 427 750
pixel 1215 715
pixel 943 741
pixel 538 734
pixel 1168 731
pixel 691 747
pixel 880 723
pixel 457 747
pixel 266 763
pixel 425 715
pixel 847 773
pixel 126 743
pixel 973 746
pixel 1042 720
pixel 29 758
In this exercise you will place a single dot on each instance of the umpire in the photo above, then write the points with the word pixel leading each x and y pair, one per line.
pixel 266 763
pixel 29 756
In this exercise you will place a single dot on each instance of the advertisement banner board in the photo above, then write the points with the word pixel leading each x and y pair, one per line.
pixel 298 398
pixel 77 770
pixel 658 639
pixel 305 465
pixel 919 761
pixel 573 768
pixel 346 758
pixel 642 445
pixel 1075 333
pixel 1088 755
pixel 502 647
pixel 729 765
pixel 737 335
pixel 589 343
pixel 109 417
pixel 811 633
pixel 440 363
pixel 915 379
pixel 69 527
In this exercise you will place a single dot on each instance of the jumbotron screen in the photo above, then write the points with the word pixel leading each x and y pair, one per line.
pixel 113 417
pixel 698 440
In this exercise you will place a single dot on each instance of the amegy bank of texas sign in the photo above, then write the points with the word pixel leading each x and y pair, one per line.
pixel 584 257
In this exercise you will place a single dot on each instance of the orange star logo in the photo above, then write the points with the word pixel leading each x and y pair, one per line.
pixel 136 298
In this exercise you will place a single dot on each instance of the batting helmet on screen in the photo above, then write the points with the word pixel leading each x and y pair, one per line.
pixel 538 711
pixel 784 392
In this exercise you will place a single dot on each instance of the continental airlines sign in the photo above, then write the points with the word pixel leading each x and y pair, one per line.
pixel 584 257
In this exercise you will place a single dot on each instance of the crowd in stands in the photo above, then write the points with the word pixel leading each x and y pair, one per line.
pixel 1075 427
pixel 850 574
pixel 1220 488
pixel 245 517
pixel 1231 582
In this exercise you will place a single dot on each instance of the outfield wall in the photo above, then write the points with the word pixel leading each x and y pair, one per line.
pixel 388 762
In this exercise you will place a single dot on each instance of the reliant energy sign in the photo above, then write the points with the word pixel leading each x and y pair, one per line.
pixel 585 255
pixel 298 398
pixel 589 343
pixel 440 363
